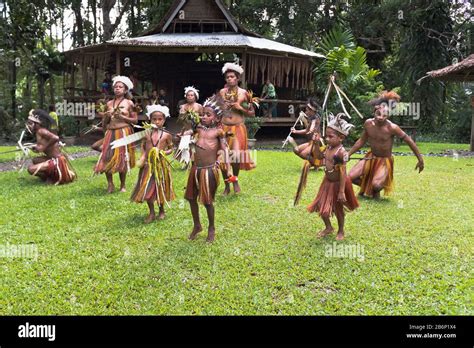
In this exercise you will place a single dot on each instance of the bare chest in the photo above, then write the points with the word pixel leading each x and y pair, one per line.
pixel 379 134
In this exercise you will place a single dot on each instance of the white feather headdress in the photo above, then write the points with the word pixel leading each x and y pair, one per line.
pixel 214 103
pixel 232 67
pixel 124 79
pixel 339 124
pixel 150 109
pixel 191 89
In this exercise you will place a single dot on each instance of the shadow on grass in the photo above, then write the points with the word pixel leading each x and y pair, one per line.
pixel 96 191
pixel 384 200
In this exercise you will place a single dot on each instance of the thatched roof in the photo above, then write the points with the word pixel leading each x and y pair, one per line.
pixel 461 72
pixel 168 42
pixel 178 5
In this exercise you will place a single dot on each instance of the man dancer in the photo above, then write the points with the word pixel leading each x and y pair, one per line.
pixel 375 172
pixel 237 106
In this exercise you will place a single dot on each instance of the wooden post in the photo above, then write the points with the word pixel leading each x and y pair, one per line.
pixel 117 62
pixel 244 65
pixel 155 77
pixel 472 124
pixel 73 79
pixel 95 78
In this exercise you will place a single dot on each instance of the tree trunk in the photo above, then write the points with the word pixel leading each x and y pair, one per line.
pixel 472 124
pixel 108 27
pixel 51 91
pixel 27 92
pixel 41 91
pixel 132 18
pixel 13 89
pixel 79 32
pixel 94 12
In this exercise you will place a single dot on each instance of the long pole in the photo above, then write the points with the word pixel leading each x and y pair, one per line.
pixel 472 123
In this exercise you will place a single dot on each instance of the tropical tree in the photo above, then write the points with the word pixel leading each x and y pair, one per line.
pixel 353 75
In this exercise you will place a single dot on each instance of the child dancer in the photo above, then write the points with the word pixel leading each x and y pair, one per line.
pixel 53 167
pixel 335 191
pixel 306 150
pixel 203 177
pixel 154 179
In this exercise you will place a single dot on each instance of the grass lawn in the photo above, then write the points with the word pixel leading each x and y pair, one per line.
pixel 11 156
pixel 432 147
pixel 97 257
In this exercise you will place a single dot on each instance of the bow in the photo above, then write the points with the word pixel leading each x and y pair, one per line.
pixel 298 120
pixel 25 149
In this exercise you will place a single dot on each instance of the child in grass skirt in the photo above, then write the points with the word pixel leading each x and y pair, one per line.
pixel 336 192
pixel 155 183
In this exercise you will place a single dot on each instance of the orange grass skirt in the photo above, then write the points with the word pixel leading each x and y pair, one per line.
pixel 326 203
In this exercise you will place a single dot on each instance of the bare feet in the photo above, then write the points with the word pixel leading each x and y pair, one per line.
pixel 211 232
pixel 150 218
pixel 110 188
pixel 340 235
pixel 161 215
pixel 226 190
pixel 325 232
pixel 195 232
pixel 123 189
pixel 236 187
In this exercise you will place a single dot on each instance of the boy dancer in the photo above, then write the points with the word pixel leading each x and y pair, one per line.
pixel 53 167
pixel 375 172
pixel 117 121
pixel 335 191
pixel 306 150
pixel 203 180
pixel 154 180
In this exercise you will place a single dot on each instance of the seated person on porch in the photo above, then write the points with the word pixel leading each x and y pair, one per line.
pixel 269 92
pixel 163 98
pixel 107 84
pixel 154 99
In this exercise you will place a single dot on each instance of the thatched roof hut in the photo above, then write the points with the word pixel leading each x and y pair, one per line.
pixel 462 71
pixel 189 46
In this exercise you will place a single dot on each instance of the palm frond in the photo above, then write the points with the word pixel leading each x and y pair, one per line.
pixel 335 38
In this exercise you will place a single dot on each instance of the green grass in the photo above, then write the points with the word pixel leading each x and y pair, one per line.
pixel 432 147
pixel 97 257
pixel 7 157
pixel 424 147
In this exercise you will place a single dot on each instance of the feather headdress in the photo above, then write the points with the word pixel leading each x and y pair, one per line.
pixel 390 98
pixel 150 109
pixel 232 67
pixel 215 103
pixel 339 124
pixel 191 89
pixel 124 79
pixel 41 117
